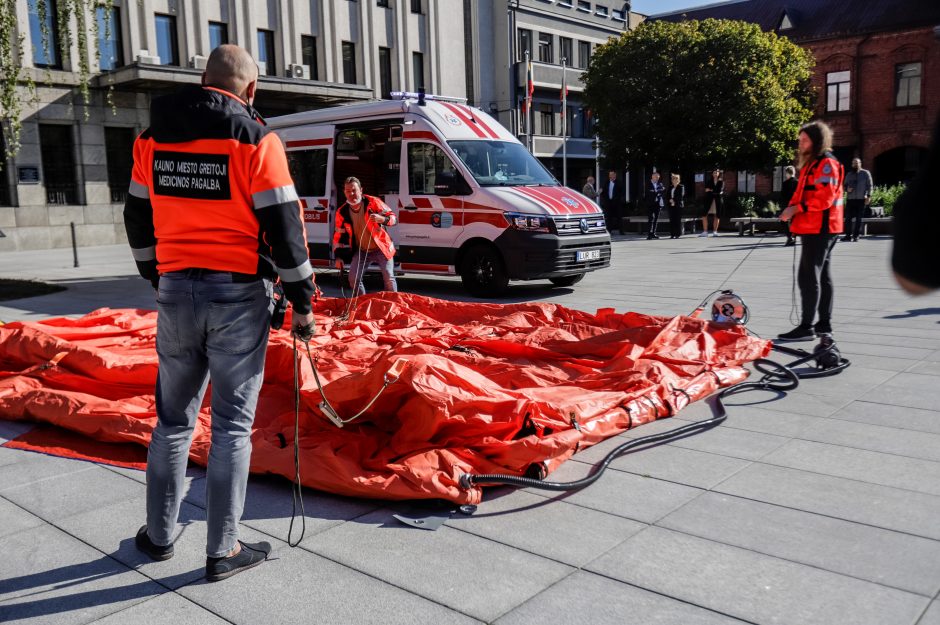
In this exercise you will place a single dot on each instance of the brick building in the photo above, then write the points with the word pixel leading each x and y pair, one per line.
pixel 877 75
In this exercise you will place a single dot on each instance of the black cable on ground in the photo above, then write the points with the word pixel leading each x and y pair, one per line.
pixel 297 494
pixel 776 377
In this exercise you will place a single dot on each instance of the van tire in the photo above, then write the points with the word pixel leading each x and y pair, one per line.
pixel 483 272
pixel 567 280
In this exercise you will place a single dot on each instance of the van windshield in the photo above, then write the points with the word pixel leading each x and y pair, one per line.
pixel 501 163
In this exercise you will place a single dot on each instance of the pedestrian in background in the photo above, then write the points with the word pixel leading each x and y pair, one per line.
pixel 589 190
pixel 655 200
pixel 787 189
pixel 612 202
pixel 714 203
pixel 858 188
pixel 676 204
pixel 815 213
pixel 210 242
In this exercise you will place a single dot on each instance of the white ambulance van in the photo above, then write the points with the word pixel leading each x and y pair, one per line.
pixel 470 200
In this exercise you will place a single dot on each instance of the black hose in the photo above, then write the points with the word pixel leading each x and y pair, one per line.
pixel 777 377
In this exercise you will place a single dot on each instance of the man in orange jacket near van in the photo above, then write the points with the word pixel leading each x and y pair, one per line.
pixel 815 213
pixel 361 223
pixel 211 218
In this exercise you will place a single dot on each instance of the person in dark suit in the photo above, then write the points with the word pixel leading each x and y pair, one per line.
pixel 611 200
pixel 655 200
pixel 714 202
pixel 676 195
pixel 787 189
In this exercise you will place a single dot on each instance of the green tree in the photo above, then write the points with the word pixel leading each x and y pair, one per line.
pixel 699 94
pixel 75 20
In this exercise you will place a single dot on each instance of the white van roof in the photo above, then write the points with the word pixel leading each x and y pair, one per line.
pixel 451 119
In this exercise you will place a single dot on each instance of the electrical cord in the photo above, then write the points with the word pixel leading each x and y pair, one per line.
pixel 296 487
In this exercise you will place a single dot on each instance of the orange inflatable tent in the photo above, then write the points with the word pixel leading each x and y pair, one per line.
pixel 485 388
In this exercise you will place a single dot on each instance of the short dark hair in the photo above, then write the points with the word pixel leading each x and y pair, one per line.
pixel 820 134
pixel 352 180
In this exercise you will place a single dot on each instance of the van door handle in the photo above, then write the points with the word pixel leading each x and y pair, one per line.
pixel 411 208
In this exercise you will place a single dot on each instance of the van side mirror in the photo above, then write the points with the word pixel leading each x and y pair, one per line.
pixel 445 183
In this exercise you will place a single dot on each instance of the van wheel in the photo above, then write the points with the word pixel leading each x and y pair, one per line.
pixel 567 280
pixel 483 273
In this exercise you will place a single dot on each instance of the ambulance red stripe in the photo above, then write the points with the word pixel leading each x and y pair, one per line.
pixel 479 120
pixel 466 120
pixel 303 143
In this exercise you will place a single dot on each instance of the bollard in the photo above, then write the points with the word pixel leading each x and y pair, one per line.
pixel 74 245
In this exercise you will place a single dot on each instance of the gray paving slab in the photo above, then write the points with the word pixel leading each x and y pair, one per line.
pixel 61 496
pixel 167 609
pixel 932 615
pixel 897 417
pixel 585 598
pixel 644 499
pixel 671 463
pixel 851 385
pixel 300 587
pixel 15 519
pixel 11 429
pixel 925 368
pixel 796 401
pixel 112 528
pixel 889 440
pixel 752 586
pixel 889 558
pixel 470 574
pixel 867 348
pixel 57 579
pixel 554 529
pixel 733 442
pixel 858 464
pixel 33 467
pixel 268 507
pixel 862 502
pixel 908 389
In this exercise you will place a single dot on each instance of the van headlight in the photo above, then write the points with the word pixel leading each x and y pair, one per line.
pixel 528 223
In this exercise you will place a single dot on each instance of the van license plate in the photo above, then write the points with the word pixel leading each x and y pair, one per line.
pixel 588 255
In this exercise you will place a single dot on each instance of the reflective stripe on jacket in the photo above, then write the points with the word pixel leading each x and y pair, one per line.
pixel 819 197
pixel 380 236
pixel 210 189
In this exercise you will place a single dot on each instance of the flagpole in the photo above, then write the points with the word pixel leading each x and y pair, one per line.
pixel 528 97
pixel 564 121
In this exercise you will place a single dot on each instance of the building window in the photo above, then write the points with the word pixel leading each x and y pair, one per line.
pixel 119 150
pixel 547 119
pixel 525 43
pixel 546 54
pixel 584 54
pixel 218 34
pixel 110 46
pixel 385 72
pixel 349 62
pixel 568 130
pixel 416 6
pixel 308 170
pixel 417 67
pixel 5 195
pixel 584 5
pixel 425 162
pixel 58 163
pixel 566 47
pixel 167 43
pixel 266 59
pixel 45 53
pixel 600 11
pixel 908 84
pixel 747 182
pixel 383 3
pixel 308 55
pixel 838 90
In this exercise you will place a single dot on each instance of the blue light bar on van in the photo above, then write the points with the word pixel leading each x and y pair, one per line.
pixel 410 95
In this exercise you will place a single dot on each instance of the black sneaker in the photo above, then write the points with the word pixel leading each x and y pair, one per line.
pixel 156 552
pixel 250 555
pixel 799 333
pixel 822 327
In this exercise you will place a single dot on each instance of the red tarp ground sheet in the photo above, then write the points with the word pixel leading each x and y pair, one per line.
pixel 488 388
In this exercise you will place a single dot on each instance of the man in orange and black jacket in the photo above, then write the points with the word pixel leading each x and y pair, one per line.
pixel 212 217
pixel 361 223
pixel 815 213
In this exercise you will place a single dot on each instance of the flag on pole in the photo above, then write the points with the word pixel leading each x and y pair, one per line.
pixel 529 85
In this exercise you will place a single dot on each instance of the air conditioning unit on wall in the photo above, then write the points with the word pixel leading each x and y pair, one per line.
pixel 298 71
pixel 144 56
pixel 198 61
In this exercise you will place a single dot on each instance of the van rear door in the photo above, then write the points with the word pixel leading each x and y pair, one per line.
pixel 311 166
